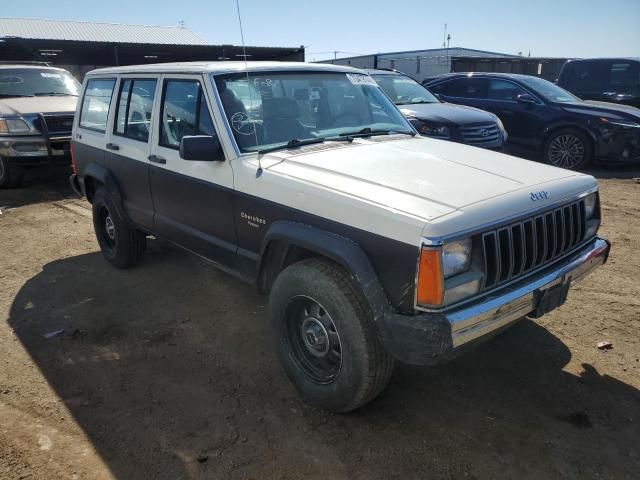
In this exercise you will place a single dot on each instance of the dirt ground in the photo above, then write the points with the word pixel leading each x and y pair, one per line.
pixel 167 371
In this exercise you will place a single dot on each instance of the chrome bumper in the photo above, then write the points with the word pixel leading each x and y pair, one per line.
pixel 431 338
pixel 494 313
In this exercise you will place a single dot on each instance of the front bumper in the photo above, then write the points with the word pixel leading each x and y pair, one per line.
pixel 619 145
pixel 36 150
pixel 431 338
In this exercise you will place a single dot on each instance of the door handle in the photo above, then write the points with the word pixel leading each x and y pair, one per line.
pixel 157 159
pixel 113 146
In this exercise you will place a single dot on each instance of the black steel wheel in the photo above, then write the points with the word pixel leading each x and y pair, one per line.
pixel 314 339
pixel 568 148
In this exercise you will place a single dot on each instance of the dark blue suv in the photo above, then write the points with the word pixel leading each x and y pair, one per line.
pixel 543 117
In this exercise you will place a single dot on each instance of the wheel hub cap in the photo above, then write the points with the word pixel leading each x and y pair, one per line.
pixel 315 337
pixel 110 227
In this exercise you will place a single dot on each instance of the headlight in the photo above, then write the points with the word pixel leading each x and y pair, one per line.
pixel 15 126
pixel 502 129
pixel 591 215
pixel 622 122
pixel 456 257
pixel 431 130
pixel 590 203
pixel 443 274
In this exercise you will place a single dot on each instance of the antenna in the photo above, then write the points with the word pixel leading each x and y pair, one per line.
pixel 246 68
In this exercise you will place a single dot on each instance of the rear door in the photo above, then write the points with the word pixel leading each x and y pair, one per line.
pixel 128 145
pixel 193 199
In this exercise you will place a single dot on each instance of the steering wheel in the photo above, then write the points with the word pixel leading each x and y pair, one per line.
pixel 343 120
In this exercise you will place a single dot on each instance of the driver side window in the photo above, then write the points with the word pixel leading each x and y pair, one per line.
pixel 184 112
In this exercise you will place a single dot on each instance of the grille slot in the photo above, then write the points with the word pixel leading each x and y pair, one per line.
pixel 514 250
pixel 482 133
pixel 59 124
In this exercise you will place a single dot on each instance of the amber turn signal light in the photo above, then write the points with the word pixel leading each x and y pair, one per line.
pixel 430 289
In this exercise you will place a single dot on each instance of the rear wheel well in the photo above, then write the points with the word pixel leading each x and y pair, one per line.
pixel 278 255
pixel 91 184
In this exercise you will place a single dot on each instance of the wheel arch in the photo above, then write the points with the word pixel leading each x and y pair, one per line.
pixel 556 126
pixel 96 176
pixel 288 242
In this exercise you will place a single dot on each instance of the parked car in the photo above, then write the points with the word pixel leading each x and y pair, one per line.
pixel 605 79
pixel 545 118
pixel 373 243
pixel 434 118
pixel 37 103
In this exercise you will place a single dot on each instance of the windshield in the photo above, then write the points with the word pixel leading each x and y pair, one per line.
pixel 403 90
pixel 548 90
pixel 30 82
pixel 269 109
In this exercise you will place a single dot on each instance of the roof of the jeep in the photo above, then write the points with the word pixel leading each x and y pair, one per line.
pixel 221 67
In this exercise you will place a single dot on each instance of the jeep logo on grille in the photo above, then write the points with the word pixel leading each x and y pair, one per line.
pixel 484 132
pixel 542 195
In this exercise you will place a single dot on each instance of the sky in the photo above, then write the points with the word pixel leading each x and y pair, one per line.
pixel 554 28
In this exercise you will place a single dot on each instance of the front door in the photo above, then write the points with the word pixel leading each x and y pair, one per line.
pixel 193 199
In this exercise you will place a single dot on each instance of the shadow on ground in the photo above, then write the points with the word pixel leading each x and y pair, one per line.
pixel 169 370
pixel 40 186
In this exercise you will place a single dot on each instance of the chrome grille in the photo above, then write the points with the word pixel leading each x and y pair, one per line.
pixel 480 133
pixel 513 250
pixel 59 124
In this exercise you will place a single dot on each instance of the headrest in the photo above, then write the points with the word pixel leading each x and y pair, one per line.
pixel 279 108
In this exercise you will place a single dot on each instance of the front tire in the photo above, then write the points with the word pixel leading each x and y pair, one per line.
pixel 10 175
pixel 325 337
pixel 122 245
pixel 568 148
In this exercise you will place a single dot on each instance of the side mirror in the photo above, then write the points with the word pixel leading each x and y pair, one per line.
pixel 203 148
pixel 526 98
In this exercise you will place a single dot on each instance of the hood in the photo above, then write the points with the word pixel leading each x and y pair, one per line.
pixel 446 113
pixel 592 107
pixel 43 104
pixel 422 177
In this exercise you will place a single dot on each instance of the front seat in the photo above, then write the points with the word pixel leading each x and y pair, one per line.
pixel 280 120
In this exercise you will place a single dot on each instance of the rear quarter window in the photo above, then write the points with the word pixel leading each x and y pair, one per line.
pixel 95 104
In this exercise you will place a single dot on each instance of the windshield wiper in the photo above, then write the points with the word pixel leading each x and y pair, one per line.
pixel 51 94
pixel 293 143
pixel 13 95
pixel 368 132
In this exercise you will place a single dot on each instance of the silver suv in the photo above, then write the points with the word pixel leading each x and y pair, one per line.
pixel 37 103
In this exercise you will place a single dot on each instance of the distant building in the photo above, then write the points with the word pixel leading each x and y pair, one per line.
pixel 83 46
pixel 419 64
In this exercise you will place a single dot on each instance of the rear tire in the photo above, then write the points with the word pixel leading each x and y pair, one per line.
pixel 122 245
pixel 10 175
pixel 325 337
pixel 568 148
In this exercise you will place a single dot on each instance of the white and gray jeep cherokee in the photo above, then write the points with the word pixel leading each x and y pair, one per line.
pixel 374 244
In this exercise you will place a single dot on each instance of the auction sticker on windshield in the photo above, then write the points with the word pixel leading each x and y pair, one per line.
pixel 359 79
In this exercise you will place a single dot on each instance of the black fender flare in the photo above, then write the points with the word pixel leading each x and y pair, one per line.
pixel 337 248
pixel 104 177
